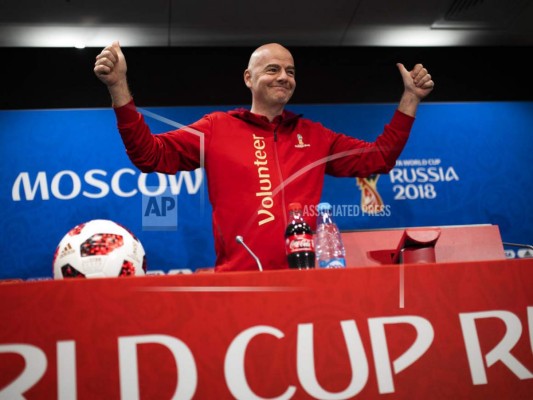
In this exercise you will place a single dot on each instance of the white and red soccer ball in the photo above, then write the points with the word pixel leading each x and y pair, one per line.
pixel 99 248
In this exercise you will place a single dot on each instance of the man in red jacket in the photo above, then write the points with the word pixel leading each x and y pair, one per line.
pixel 258 161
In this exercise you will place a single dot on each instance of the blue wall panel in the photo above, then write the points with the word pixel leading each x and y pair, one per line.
pixel 465 163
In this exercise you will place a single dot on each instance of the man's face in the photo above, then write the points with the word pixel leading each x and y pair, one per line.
pixel 271 76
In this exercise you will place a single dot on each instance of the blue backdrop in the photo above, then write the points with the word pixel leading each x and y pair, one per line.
pixel 465 163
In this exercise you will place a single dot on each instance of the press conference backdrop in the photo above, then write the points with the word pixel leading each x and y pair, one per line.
pixel 465 163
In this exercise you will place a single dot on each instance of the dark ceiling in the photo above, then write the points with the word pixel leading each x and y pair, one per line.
pixel 191 52
pixel 156 23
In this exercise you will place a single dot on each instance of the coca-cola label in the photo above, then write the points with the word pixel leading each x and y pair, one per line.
pixel 299 242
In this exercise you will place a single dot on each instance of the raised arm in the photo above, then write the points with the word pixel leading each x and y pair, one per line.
pixel 110 67
pixel 417 85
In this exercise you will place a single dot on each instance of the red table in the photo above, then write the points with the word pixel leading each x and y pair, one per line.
pixel 432 331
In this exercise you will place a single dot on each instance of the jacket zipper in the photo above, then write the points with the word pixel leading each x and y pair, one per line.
pixel 282 189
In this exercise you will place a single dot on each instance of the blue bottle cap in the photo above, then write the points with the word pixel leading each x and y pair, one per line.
pixel 323 207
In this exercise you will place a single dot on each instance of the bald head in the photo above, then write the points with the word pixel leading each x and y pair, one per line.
pixel 267 51
pixel 271 78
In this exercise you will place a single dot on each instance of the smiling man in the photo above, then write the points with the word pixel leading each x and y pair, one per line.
pixel 271 78
pixel 258 161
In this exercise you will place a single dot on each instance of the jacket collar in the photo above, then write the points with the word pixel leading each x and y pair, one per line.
pixel 286 118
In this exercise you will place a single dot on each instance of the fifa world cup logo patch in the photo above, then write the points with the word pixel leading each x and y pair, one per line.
pixel 371 201
pixel 301 143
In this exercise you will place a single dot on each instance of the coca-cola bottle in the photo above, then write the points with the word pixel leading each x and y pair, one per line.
pixel 299 244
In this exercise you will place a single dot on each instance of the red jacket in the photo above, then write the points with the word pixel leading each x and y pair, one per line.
pixel 255 168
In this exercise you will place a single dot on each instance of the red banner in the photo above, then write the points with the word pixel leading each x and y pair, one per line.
pixel 438 331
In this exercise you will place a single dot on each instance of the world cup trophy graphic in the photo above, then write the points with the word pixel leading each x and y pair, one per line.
pixel 371 201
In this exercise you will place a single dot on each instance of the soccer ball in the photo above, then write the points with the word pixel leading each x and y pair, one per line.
pixel 99 248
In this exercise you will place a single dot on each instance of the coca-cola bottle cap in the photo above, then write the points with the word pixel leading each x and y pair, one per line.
pixel 295 206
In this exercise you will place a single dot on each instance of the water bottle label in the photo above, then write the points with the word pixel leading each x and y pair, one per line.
pixel 299 242
pixel 332 263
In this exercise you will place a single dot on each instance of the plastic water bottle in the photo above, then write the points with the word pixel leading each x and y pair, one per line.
pixel 299 243
pixel 329 248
